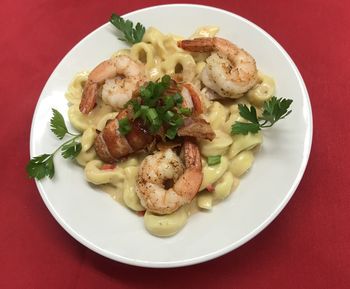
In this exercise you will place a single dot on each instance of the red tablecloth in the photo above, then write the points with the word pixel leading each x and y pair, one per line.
pixel 307 246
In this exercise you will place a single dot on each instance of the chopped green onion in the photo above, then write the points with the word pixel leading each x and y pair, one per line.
pixel 168 103
pixel 134 103
pixel 157 108
pixel 141 112
pixel 178 98
pixel 155 126
pixel 168 116
pixel 177 122
pixel 171 132
pixel 124 126
pixel 214 160
pixel 146 91
pixel 151 114
pixel 166 80
pixel 185 111
pixel 154 120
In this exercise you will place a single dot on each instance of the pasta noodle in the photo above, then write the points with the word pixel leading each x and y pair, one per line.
pixel 225 186
pixel 161 56
pixel 217 146
pixel 213 173
pixel 94 174
pixel 86 156
pixel 129 194
pixel 165 225
pixel 241 163
pixel 205 200
pixel 88 138
pixel 244 142
pixel 81 121
pixel 75 88
pixel 179 62
pixel 263 90
pixel 217 114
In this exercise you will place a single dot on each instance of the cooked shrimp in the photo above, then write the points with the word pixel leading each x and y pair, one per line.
pixel 230 70
pixel 110 145
pixel 120 76
pixel 164 183
pixel 192 98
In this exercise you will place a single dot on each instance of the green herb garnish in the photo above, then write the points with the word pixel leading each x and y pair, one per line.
pixel 213 160
pixel 158 108
pixel 131 35
pixel 42 166
pixel 274 109
pixel 124 126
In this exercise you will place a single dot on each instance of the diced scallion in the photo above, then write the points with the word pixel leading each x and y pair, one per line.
pixel 124 126
pixel 214 160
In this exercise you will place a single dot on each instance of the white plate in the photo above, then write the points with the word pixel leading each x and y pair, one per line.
pixel 109 229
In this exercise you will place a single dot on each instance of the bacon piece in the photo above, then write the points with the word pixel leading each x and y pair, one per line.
pixel 118 146
pixel 138 137
pixel 162 146
pixel 111 145
pixel 196 127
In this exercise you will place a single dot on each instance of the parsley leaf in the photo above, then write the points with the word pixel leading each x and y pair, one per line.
pixel 71 149
pixel 43 166
pixel 248 114
pixel 274 110
pixel 58 126
pixel 131 35
pixel 244 128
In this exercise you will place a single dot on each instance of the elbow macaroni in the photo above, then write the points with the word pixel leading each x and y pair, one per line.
pixel 262 91
pixel 165 225
pixel 244 142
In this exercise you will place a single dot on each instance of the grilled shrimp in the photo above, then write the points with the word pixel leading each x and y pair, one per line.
pixel 164 183
pixel 119 76
pixel 110 145
pixel 230 71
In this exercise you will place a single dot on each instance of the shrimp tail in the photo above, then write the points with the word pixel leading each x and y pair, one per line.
pixel 192 154
pixel 88 100
pixel 189 183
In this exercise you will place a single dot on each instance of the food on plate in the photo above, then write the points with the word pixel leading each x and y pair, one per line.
pixel 168 126
pixel 229 71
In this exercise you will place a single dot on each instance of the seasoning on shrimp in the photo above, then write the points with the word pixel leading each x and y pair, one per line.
pixel 164 184
pixel 230 71
pixel 119 76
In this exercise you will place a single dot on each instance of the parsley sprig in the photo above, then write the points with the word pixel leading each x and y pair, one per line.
pixel 42 166
pixel 131 35
pixel 158 108
pixel 274 110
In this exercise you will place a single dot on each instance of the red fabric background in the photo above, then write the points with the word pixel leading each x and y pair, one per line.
pixel 307 246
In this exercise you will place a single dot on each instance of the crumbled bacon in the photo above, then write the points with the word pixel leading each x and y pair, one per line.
pixel 196 127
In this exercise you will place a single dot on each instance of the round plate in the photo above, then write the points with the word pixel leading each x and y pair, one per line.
pixel 108 228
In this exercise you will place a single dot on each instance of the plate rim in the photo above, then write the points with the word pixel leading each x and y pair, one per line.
pixel 233 246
